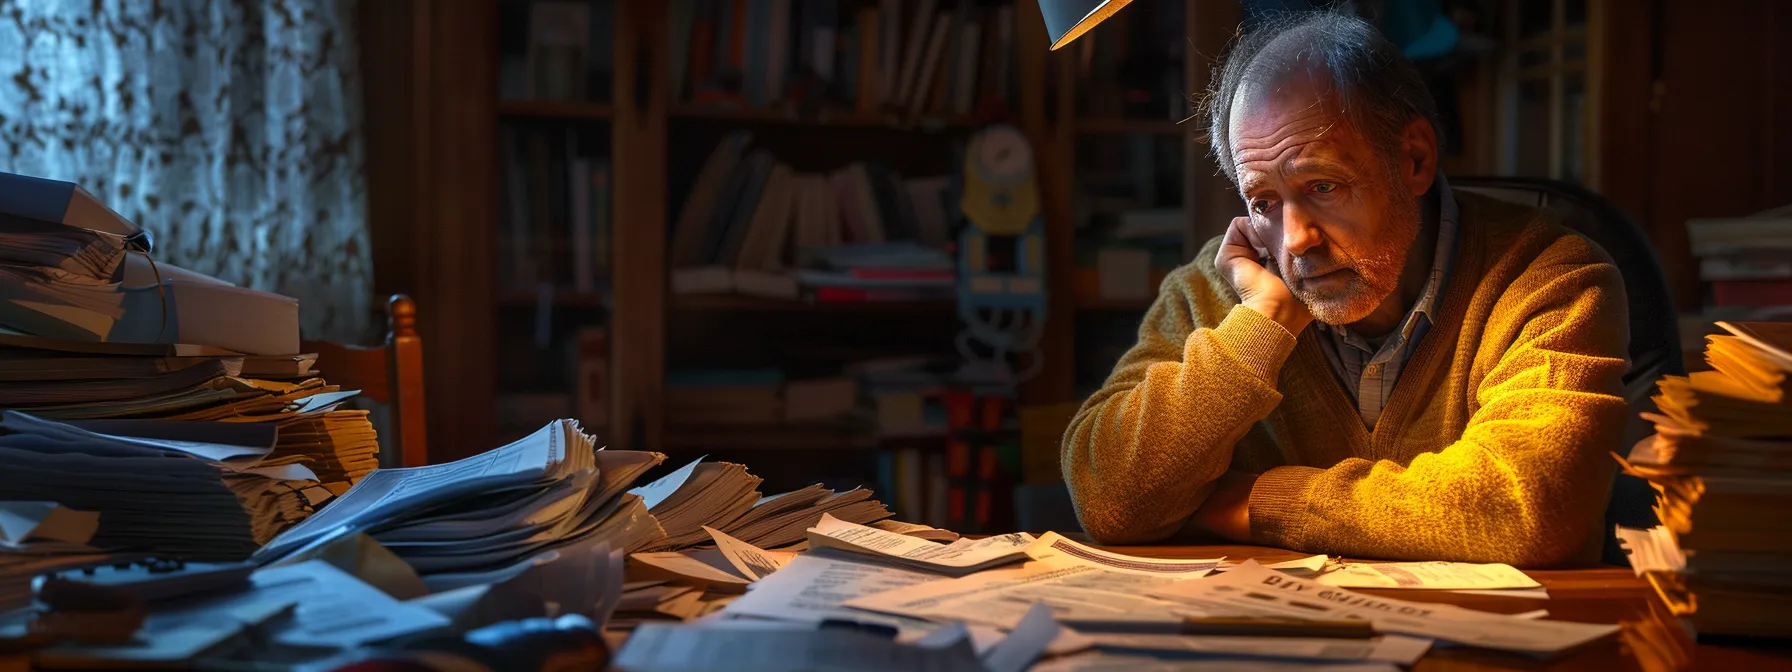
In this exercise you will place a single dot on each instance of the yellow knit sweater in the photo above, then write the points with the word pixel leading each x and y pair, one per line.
pixel 1493 447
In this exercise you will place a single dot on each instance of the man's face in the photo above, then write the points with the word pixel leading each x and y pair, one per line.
pixel 1337 216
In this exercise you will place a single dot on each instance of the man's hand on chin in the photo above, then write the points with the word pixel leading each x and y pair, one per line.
pixel 1227 511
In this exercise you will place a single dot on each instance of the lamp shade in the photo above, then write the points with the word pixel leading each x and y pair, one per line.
pixel 1065 20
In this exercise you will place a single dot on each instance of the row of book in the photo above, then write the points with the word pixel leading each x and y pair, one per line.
pixel 1746 260
pixel 922 57
pixel 555 227
pixel 1721 459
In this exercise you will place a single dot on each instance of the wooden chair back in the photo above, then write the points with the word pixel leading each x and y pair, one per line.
pixel 390 373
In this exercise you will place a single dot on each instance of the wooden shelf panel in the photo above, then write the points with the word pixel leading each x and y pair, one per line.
pixel 1145 126
pixel 736 302
pixel 553 109
pixel 828 117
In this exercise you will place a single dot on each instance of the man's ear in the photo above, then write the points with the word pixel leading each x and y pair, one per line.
pixel 1418 156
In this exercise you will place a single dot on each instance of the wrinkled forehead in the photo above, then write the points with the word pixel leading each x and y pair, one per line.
pixel 1278 104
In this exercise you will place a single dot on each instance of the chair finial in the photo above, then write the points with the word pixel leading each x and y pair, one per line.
pixel 403 313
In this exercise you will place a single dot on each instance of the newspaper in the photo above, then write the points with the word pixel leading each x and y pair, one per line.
pixel 957 558
pixel 1055 545
pixel 813 587
pixel 1254 590
pixel 1435 575
pixel 1078 593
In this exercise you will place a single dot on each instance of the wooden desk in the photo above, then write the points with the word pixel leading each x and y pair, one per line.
pixel 1651 638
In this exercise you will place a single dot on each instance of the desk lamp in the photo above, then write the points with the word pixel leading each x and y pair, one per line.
pixel 1066 20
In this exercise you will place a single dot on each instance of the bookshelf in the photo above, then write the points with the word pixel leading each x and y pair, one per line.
pixel 441 116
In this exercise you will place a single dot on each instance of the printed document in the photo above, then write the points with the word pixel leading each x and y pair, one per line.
pixel 1077 593
pixel 1254 590
pixel 957 558
pixel 1435 575
pixel 751 561
pixel 813 587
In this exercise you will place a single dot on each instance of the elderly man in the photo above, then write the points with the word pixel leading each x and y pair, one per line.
pixel 1368 364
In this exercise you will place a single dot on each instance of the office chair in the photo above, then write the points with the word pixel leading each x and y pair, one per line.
pixel 390 373
pixel 1654 328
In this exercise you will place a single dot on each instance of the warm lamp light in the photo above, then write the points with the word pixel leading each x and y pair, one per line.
pixel 1066 20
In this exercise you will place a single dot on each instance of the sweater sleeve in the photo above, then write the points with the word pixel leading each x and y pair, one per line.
pixel 1141 452
pixel 1531 473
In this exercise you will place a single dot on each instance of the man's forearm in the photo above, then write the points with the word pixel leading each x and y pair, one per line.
pixel 1140 451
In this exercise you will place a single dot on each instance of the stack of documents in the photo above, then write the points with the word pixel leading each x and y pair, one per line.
pixel 59 281
pixel 782 520
pixel 958 558
pixel 161 497
pixel 698 494
pixel 1721 458
pixel 483 518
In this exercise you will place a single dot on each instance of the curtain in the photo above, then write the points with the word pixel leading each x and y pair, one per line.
pixel 229 129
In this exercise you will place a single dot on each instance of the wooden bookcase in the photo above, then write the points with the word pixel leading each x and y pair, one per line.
pixel 433 113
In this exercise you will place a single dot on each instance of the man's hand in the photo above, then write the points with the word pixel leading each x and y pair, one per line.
pixel 1242 261
pixel 1227 511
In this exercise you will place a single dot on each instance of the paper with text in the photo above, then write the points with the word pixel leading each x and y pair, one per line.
pixel 1254 590
pixel 1434 575
pixel 780 647
pixel 654 493
pixel 753 562
pixel 1055 545
pixel 1076 592
pixel 957 558
pixel 813 587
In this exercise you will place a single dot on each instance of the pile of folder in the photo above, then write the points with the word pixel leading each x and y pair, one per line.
pixel 723 496
pixel 1721 457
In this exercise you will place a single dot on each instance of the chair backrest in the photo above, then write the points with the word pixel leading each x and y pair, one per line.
pixel 1654 328
pixel 390 373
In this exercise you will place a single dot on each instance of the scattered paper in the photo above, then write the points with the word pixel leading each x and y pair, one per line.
pixel 707 568
pixel 1398 649
pixel 1096 661
pixel 1538 593
pixel 45 521
pixel 957 558
pixel 1652 550
pixel 1055 545
pixel 1433 575
pixel 654 493
pixel 1025 643
pixel 751 561
pixel 655 647
pixel 813 587
pixel 1077 593
pixel 927 532
pixel 1254 590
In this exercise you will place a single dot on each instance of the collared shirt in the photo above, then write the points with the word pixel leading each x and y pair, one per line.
pixel 1369 367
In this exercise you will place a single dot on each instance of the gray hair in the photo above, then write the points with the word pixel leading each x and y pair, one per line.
pixel 1377 88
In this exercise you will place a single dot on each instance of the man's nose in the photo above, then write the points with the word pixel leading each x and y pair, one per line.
pixel 1300 231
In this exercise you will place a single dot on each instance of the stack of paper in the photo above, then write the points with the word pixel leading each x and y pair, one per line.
pixel 781 520
pixel 481 518
pixel 59 281
pixel 955 559
pixel 151 496
pixel 40 537
pixel 1721 457
pixel 698 494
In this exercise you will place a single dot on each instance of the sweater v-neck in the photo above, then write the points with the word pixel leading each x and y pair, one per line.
pixel 1419 371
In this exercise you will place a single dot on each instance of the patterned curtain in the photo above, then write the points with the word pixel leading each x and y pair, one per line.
pixel 228 128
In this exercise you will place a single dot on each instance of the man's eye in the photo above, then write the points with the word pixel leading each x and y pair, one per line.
pixel 1324 187
pixel 1260 206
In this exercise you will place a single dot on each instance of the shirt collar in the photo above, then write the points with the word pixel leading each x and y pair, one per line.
pixel 1443 256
